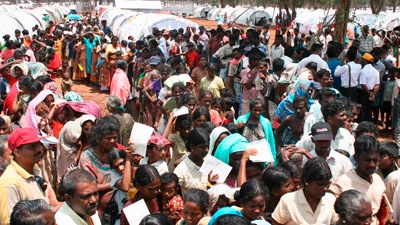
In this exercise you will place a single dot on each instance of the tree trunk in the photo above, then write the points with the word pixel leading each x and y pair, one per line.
pixel 288 15
pixel 376 6
pixel 222 3
pixel 394 4
pixel 341 20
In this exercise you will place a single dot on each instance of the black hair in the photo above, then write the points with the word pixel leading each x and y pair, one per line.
pixel 183 120
pixel 255 101
pixel 275 177
pixel 278 64
pixel 208 126
pixel 217 101
pixel 116 154
pixel 332 52
pixel 44 79
pixel 103 127
pixel 294 168
pixel 29 212
pixel 289 51
pixel 203 94
pixel 156 219
pixel 185 99
pixel 200 111
pixel 343 152
pixel 365 144
pixel 251 189
pixel 316 47
pixel 178 84
pixel 168 178
pixel 18 54
pixel 199 197
pixel 332 108
pixel 312 66
pixel 230 219
pixel 320 73
pixel 305 53
pixel 352 54
pixel 25 80
pixel 316 169
pixel 232 128
pixel 73 177
pixel 388 147
pixel 197 136
pixel 35 86
pixel 299 99
pixel 327 92
pixel 366 127
pixel 145 174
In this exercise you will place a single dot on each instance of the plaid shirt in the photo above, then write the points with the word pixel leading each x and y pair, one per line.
pixel 366 43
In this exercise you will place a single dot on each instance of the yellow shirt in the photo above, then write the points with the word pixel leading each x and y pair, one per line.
pixel 214 85
pixel 374 191
pixel 17 184
pixel 293 209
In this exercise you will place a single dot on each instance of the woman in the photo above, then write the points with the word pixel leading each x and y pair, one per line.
pixel 111 58
pixel 120 83
pixel 115 108
pixel 41 123
pixel 311 204
pixel 17 70
pixel 353 208
pixel 212 82
pixel 205 99
pixel 216 136
pixel 50 84
pixel 301 88
pixel 199 73
pixel 230 151
pixel 188 171
pixel 102 139
pixel 73 140
pixel 54 63
pixel 255 127
pixel 200 115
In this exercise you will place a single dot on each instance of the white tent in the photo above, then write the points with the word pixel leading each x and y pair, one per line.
pixel 8 24
pixel 143 6
pixel 121 21
pixel 141 25
pixel 110 13
pixel 382 21
pixel 212 10
pixel 228 11
pixel 214 14
pixel 235 13
pixel 253 17
pixel 38 17
pixel 201 12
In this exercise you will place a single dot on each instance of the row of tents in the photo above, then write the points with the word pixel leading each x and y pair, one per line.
pixel 125 23
pixel 13 17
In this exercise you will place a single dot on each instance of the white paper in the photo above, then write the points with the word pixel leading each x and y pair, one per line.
pixel 140 136
pixel 217 166
pixel 181 111
pixel 264 153
pixel 136 212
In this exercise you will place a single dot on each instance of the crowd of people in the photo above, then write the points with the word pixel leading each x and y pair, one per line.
pixel 316 104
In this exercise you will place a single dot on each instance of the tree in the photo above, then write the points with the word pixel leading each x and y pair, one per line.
pixel 376 5
pixel 341 20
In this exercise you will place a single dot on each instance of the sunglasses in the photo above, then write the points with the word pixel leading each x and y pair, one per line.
pixel 41 183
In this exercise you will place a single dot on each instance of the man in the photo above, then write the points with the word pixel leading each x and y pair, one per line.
pixel 322 77
pixel 81 199
pixel 203 36
pixel 277 50
pixel 106 29
pixel 120 86
pixel 18 37
pixel 254 38
pixel 32 212
pixel 335 115
pixel 324 96
pixel 370 84
pixel 214 42
pixel 349 75
pixel 363 178
pixel 287 55
pixel 21 180
pixel 324 39
pixel 225 55
pixel 366 41
pixel 377 38
pixel 314 57
pixel 321 136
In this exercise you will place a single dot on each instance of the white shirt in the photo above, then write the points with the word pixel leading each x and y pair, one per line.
pixel 66 216
pixel 343 140
pixel 343 73
pixel 276 52
pixel 395 91
pixel 287 60
pixel 369 76
pixel 396 204
pixel 161 165
pixel 338 163
pixel 313 58
pixel 315 117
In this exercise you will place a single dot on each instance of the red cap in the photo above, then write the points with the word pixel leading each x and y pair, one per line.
pixel 22 136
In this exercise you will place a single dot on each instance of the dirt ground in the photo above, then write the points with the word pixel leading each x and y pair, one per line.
pixel 90 93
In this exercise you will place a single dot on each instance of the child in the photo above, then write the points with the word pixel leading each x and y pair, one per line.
pixel 172 203
pixel 388 152
pixel 387 96
pixel 60 120
pixel 192 57
pixel 195 206
pixel 349 123
pixel 157 148
pixel 252 198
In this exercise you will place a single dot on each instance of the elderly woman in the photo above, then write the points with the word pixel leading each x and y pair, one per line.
pixel 120 86
pixel 353 207
pixel 73 140
pixel 115 108
pixel 255 127
pixel 102 139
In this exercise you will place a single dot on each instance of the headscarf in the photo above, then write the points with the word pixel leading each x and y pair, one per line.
pixel 214 136
pixel 160 141
pixel 231 144
pixel 73 97
pixel 53 87
pixel 285 107
pixel 30 119
pixel 22 66
pixel 224 211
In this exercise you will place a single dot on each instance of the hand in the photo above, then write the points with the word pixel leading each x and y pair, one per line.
pixel 240 125
pixel 372 97
pixel 212 178
pixel 248 153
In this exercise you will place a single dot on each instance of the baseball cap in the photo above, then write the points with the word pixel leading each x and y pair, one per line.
pixel 321 131
pixel 154 60
pixel 368 57
pixel 22 136
pixel 159 140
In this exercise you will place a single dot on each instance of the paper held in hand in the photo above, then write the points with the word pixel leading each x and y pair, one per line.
pixel 217 166
pixel 136 212
pixel 181 111
pixel 264 153
pixel 140 136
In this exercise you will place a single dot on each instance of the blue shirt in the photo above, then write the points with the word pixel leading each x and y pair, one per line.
pixel 332 64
